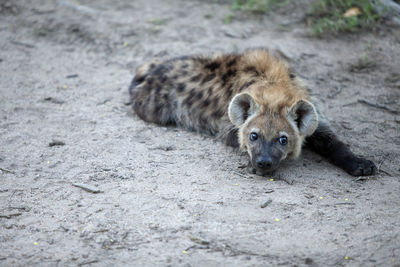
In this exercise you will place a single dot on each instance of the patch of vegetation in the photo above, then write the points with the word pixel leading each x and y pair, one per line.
pixel 254 6
pixel 365 63
pixel 257 6
pixel 228 18
pixel 334 16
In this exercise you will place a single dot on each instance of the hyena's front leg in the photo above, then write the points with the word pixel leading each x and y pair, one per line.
pixel 326 143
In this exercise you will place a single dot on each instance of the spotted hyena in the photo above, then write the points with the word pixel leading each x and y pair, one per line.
pixel 250 100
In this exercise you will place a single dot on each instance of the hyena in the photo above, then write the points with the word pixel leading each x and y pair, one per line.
pixel 250 100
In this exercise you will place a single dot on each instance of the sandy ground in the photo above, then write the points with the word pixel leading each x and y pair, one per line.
pixel 170 197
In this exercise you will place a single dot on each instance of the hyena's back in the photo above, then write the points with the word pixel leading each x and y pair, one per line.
pixel 191 92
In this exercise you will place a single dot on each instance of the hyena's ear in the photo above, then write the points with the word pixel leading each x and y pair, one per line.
pixel 304 116
pixel 241 107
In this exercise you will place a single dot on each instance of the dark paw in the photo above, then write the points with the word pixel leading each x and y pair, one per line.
pixel 360 167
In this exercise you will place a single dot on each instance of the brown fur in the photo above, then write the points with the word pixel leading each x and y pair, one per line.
pixel 229 96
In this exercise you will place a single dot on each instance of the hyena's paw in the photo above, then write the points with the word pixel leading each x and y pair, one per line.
pixel 360 167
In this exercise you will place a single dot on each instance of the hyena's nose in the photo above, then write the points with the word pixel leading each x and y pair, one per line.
pixel 264 162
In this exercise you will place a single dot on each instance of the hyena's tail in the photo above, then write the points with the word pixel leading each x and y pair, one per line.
pixel 141 73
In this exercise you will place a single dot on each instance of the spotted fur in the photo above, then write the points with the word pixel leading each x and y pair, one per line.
pixel 232 96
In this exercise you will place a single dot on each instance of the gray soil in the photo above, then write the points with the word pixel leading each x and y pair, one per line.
pixel 171 197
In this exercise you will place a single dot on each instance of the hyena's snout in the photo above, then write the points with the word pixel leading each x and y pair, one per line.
pixel 266 162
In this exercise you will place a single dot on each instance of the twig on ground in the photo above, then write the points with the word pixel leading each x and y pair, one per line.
pixel 199 241
pixel 349 104
pixel 344 203
pixel 23 208
pixel 88 262
pixel 228 250
pixel 6 170
pixel 56 143
pixel 101 231
pixel 165 148
pixel 198 247
pixel 376 105
pixel 160 162
pixel 54 100
pixel 8 216
pixel 23 44
pixel 241 174
pixel 88 188
pixel 385 172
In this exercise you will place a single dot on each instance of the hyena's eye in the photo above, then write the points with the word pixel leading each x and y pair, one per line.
pixel 253 136
pixel 283 140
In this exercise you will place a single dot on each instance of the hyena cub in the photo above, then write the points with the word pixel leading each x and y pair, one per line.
pixel 250 100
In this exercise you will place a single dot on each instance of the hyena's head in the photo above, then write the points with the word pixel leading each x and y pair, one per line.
pixel 271 136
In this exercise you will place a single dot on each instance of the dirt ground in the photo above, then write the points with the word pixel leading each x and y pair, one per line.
pixel 170 197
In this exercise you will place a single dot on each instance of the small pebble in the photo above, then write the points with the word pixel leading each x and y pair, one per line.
pixel 266 203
